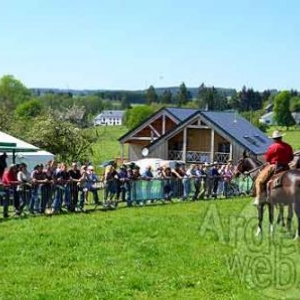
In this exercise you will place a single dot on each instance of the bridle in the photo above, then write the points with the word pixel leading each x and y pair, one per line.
pixel 251 171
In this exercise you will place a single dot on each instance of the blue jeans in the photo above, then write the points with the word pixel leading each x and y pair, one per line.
pixel 186 187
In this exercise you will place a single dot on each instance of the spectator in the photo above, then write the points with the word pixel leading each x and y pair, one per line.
pixel 168 177
pixel 227 177
pixel 147 173
pixel 213 180
pixel 111 184
pixel 10 180
pixel 75 176
pixel 39 196
pixel 24 188
pixel 90 182
pixel 82 186
pixel 3 164
pixel 199 177
pixel 124 184
pixel 62 178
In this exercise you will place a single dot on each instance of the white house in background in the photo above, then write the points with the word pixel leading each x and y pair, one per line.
pixel 268 118
pixel 109 117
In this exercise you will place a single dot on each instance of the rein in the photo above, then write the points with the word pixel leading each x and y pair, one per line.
pixel 253 170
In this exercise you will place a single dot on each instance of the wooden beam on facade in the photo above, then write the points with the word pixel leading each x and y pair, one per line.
pixel 184 144
pixel 212 145
pixel 198 127
pixel 142 138
pixel 154 130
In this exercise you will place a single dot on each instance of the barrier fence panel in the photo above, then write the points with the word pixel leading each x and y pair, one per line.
pixel 37 198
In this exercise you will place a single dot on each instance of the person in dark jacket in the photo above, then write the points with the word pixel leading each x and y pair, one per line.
pixel 3 163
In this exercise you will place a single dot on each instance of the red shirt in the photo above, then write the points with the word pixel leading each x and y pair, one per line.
pixel 9 177
pixel 279 152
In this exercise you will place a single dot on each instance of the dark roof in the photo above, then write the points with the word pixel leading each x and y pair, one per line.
pixel 232 124
pixel 181 113
pixel 110 114
pixel 240 129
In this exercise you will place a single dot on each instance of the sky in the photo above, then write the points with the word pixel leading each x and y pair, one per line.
pixel 132 44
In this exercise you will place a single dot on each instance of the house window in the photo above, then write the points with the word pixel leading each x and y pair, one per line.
pixel 260 139
pixel 250 140
pixel 224 147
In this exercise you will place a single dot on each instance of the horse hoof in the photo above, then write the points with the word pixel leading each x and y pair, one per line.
pixel 258 232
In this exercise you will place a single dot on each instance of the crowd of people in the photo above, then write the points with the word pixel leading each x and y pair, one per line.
pixel 55 186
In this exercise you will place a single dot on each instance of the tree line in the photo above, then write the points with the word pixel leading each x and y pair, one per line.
pixel 58 120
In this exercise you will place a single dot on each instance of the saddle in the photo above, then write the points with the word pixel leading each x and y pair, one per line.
pixel 276 180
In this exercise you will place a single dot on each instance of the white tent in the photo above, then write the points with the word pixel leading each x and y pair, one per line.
pixel 19 151
pixel 20 146
pixel 31 159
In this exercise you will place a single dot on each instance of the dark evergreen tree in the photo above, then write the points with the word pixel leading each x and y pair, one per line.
pixel 166 97
pixel 151 95
pixel 183 96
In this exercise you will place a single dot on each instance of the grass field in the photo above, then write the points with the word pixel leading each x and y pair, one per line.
pixel 177 251
pixel 106 146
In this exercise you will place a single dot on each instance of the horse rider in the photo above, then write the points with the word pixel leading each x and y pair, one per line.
pixel 278 157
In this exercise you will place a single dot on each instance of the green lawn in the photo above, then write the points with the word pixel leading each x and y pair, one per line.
pixel 292 136
pixel 106 146
pixel 175 251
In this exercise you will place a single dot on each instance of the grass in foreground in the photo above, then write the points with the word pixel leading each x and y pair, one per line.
pixel 174 251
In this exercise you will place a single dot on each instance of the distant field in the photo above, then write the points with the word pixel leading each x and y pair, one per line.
pixel 292 136
pixel 107 146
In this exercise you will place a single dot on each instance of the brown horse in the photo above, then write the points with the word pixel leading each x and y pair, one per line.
pixel 283 189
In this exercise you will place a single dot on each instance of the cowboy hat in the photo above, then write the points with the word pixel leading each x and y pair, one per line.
pixel 276 134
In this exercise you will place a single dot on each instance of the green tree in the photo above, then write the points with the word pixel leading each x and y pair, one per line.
pixel 65 140
pixel 183 96
pixel 211 99
pixel 151 95
pixel 6 118
pixel 166 97
pixel 74 114
pixel 29 109
pixel 12 92
pixel 295 104
pixel 282 113
pixel 125 102
pixel 137 115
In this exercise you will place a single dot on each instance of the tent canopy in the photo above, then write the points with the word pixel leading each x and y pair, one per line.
pixel 9 143
pixel 30 158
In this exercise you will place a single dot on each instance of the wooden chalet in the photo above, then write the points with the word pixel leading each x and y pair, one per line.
pixel 194 136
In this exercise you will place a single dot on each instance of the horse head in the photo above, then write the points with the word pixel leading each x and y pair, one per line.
pixel 246 164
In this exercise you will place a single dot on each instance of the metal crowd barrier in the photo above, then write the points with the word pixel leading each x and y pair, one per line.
pixel 37 198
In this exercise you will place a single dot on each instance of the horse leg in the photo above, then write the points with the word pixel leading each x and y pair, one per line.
pixel 297 211
pixel 280 218
pixel 289 217
pixel 260 209
pixel 271 217
pixel 297 235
